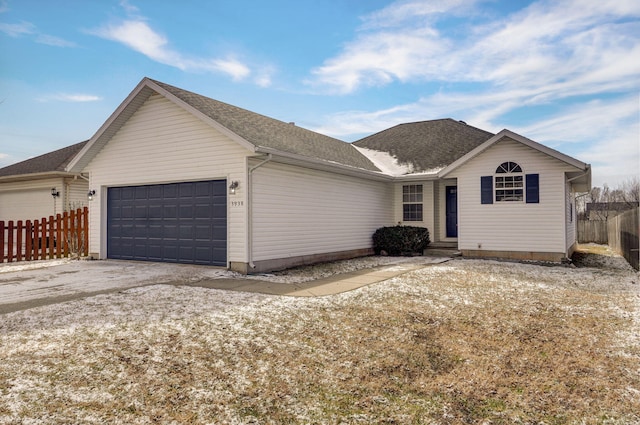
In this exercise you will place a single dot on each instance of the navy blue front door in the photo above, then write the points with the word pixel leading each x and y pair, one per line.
pixel 451 210
pixel 177 223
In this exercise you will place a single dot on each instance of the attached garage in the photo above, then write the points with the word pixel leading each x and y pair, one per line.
pixel 177 222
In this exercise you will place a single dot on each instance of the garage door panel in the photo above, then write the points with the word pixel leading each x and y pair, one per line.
pixel 155 211
pixel 185 211
pixel 178 222
pixel 185 190
pixel 127 193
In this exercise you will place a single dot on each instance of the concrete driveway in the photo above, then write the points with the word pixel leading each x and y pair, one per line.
pixel 32 284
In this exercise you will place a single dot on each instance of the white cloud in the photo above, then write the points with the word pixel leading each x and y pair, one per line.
pixel 572 62
pixel 231 66
pixel 399 12
pixel 69 97
pixel 573 45
pixel 51 40
pixel 17 30
pixel 128 7
pixel 378 59
pixel 139 36
pixel 595 119
pixel 29 29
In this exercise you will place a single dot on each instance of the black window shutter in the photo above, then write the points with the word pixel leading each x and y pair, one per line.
pixel 486 189
pixel 533 188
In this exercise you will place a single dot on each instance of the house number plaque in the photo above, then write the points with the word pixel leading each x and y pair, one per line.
pixel 237 203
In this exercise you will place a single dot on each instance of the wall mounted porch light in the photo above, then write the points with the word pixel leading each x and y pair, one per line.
pixel 91 194
pixel 54 192
pixel 233 186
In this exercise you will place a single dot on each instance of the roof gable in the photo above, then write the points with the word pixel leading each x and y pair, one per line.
pixel 254 131
pixel 580 177
pixel 426 146
pixel 518 138
pixel 52 162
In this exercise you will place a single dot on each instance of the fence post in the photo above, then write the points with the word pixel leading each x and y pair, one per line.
pixel 65 230
pixel 58 235
pixel 28 248
pixel 73 235
pixel 43 238
pixel 36 240
pixel 19 231
pixel 51 246
pixel 85 230
pixel 10 242
pixel 2 229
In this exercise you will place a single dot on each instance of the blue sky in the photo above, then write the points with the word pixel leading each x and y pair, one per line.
pixel 563 73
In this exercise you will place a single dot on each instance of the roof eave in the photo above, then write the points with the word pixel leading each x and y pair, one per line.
pixel 37 176
pixel 415 177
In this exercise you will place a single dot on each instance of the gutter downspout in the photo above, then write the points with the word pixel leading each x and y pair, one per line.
pixel 250 209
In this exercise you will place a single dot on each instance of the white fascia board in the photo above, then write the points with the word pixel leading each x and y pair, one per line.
pixel 36 176
pixel 416 177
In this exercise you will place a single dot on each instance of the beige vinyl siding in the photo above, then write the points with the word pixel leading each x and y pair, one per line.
pixel 162 143
pixel 427 205
pixel 512 226
pixel 76 193
pixel 30 199
pixel 298 211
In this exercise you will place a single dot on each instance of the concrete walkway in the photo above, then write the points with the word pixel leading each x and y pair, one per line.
pixel 28 285
pixel 316 288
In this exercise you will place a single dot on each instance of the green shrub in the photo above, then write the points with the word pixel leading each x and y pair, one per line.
pixel 400 240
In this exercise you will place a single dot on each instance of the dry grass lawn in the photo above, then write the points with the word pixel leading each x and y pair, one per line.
pixel 463 342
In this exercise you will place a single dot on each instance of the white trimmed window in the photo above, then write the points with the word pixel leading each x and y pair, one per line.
pixel 412 202
pixel 509 182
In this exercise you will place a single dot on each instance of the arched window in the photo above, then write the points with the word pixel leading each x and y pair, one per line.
pixel 509 182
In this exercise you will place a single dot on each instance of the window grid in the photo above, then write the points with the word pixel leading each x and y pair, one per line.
pixel 412 193
pixel 412 202
pixel 509 188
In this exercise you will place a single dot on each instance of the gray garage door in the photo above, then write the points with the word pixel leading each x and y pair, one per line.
pixel 178 223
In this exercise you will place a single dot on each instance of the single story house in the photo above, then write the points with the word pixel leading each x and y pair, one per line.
pixel 27 187
pixel 181 177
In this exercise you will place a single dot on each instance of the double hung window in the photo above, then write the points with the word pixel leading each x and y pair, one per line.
pixel 412 202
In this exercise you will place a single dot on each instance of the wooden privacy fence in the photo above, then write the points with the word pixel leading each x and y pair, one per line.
pixel 593 231
pixel 55 237
pixel 623 236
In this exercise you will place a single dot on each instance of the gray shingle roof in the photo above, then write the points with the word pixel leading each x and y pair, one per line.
pixel 427 145
pixel 50 162
pixel 262 131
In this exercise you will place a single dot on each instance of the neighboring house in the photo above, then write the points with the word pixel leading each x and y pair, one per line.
pixel 180 177
pixel 602 211
pixel 26 187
